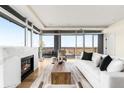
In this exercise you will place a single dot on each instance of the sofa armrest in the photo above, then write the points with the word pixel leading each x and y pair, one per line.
pixel 112 79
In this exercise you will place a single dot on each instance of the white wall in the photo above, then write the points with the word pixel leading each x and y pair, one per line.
pixel 115 39
pixel 1 69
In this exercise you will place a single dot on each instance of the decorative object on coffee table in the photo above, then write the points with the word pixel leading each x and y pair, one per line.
pixel 62 56
pixel 54 60
pixel 61 60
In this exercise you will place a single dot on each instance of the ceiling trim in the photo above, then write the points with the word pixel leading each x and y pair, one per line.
pixel 35 14
pixel 78 26
pixel 74 28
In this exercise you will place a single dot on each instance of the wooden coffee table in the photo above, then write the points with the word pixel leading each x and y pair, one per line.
pixel 60 74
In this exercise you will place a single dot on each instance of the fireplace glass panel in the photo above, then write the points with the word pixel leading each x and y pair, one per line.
pixel 27 66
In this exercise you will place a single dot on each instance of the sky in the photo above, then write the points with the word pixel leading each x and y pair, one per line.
pixel 10 34
pixel 13 35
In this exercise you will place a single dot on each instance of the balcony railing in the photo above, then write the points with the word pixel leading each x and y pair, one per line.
pixel 71 52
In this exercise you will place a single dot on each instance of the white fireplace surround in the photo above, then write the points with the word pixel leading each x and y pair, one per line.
pixel 10 64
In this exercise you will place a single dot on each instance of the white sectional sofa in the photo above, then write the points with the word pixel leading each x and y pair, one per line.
pixel 98 78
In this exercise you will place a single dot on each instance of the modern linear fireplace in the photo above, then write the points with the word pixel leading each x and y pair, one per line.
pixel 27 66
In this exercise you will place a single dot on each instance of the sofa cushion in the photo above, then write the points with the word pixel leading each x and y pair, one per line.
pixel 106 61
pixel 87 56
pixel 102 57
pixel 81 55
pixel 116 65
pixel 96 58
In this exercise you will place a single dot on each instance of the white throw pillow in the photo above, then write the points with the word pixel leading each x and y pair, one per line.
pixel 81 55
pixel 96 58
pixel 116 65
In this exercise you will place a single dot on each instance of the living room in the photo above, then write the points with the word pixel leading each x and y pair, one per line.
pixel 61 46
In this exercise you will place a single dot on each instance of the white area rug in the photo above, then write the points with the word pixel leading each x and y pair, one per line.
pixel 43 81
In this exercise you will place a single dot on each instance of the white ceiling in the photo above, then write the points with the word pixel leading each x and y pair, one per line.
pixel 72 16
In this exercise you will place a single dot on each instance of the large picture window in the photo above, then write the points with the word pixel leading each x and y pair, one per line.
pixel 48 41
pixel 35 40
pixel 96 41
pixel 48 45
pixel 80 46
pixel 67 41
pixel 88 41
pixel 72 44
pixel 29 38
pixel 75 44
pixel 11 34
pixel 68 44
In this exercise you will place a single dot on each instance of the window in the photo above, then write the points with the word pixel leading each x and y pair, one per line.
pixel 80 46
pixel 96 43
pixel 11 34
pixel 79 41
pixel 48 41
pixel 35 40
pixel 88 41
pixel 72 44
pixel 67 41
pixel 95 40
pixel 91 43
pixel 28 38
pixel 48 45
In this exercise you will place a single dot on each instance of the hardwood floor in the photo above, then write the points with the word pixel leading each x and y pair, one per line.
pixel 31 78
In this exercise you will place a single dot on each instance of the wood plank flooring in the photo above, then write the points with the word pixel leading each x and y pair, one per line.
pixel 31 78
